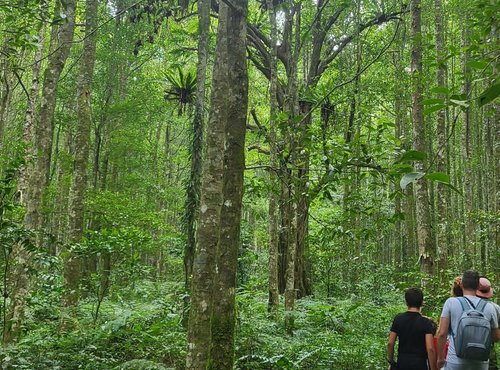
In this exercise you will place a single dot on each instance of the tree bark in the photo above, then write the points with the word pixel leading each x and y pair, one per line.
pixel 273 159
pixel 404 243
pixel 442 191
pixel 469 239
pixel 29 117
pixel 424 232
pixel 194 185
pixel 39 177
pixel 76 210
pixel 296 161
pixel 224 315
pixel 207 234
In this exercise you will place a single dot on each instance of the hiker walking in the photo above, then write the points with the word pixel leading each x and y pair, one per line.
pixel 415 335
pixel 472 324
pixel 485 291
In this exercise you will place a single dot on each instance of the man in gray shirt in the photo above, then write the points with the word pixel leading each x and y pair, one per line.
pixel 452 311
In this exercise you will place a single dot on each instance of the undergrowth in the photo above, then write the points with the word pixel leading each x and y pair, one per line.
pixel 141 328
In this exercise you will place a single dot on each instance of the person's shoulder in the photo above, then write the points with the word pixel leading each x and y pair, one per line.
pixel 400 315
pixel 451 301
pixel 491 306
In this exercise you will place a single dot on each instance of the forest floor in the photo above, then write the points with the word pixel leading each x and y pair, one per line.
pixel 141 327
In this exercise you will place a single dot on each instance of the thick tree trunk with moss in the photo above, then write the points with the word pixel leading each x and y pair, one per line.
pixel 224 314
pixel 199 332
pixel 82 140
pixel 194 185
pixel 425 239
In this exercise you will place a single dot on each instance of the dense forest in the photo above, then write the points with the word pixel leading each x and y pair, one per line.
pixel 247 184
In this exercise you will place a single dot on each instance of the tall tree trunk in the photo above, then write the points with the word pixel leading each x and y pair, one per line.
pixel 82 139
pixel 469 231
pixel 273 159
pixel 401 245
pixel 5 88
pixel 193 186
pixel 494 150
pixel 39 178
pixel 39 175
pixel 29 116
pixel 207 234
pixel 424 232
pixel 224 315
pixel 296 162
pixel 442 191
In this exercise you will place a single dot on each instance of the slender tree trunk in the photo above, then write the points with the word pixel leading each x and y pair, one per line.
pixel 207 234
pixel 442 191
pixel 273 203
pixel 193 187
pixel 494 152
pixel 296 161
pixel 224 315
pixel 29 116
pixel 399 123
pixel 5 89
pixel 425 239
pixel 468 232
pixel 82 139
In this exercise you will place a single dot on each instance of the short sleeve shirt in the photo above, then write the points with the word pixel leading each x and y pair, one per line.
pixel 411 328
pixel 452 310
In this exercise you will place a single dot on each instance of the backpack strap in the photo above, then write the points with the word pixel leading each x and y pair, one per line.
pixel 470 302
pixel 450 330
pixel 462 302
pixel 481 305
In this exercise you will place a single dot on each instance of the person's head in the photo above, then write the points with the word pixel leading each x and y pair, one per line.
pixel 414 297
pixel 470 280
pixel 484 289
pixel 456 288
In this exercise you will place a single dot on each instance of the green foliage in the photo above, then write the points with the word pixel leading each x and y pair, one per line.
pixel 330 334
pixel 182 88
pixel 145 330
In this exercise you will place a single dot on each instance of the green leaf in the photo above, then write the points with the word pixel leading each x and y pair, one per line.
pixel 490 94
pixel 440 90
pixel 438 177
pixel 413 155
pixel 434 108
pixel 452 188
pixel 477 64
pixel 442 178
pixel 409 178
pixel 461 103
pixel 432 101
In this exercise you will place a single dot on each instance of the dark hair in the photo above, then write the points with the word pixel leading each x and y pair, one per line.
pixel 414 297
pixel 470 280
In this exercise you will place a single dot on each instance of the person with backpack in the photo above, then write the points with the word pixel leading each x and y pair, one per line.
pixel 415 335
pixel 472 324
pixel 485 291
